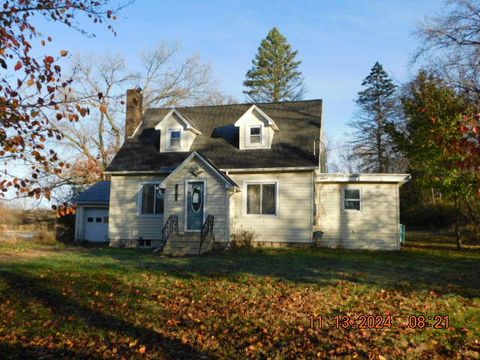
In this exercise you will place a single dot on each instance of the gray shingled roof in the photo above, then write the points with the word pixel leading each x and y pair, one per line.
pixel 96 194
pixel 292 146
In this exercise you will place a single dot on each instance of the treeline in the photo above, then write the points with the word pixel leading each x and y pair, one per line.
pixel 430 126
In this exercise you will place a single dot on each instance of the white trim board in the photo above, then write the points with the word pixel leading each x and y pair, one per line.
pixel 187 123
pixel 362 178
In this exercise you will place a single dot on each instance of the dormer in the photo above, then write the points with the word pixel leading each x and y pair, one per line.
pixel 177 133
pixel 256 129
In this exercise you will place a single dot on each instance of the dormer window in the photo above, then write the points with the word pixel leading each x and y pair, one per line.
pixel 256 135
pixel 175 138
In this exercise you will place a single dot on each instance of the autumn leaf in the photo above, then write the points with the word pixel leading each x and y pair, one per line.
pixel 18 65
pixel 63 53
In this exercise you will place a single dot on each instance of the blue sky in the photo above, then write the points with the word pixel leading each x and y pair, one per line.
pixel 338 41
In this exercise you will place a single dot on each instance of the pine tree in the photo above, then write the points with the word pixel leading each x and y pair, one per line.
pixel 372 142
pixel 274 75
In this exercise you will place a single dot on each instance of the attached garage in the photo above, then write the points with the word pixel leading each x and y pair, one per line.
pixel 91 221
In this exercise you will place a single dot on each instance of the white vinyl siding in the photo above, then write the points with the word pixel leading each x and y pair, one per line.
pixel 294 215
pixel 215 198
pixel 255 121
pixel 375 226
pixel 124 220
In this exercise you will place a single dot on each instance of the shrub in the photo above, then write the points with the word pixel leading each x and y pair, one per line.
pixel 242 239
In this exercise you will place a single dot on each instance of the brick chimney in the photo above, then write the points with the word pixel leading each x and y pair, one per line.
pixel 134 111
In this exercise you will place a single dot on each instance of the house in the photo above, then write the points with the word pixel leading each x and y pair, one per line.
pixel 189 177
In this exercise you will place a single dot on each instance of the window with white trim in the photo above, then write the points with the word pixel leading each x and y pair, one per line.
pixel 152 199
pixel 262 199
pixel 175 138
pixel 255 135
pixel 351 199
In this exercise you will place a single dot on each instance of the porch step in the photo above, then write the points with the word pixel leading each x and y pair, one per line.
pixel 188 244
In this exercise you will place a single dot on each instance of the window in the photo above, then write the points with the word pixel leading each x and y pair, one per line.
pixel 144 243
pixel 351 199
pixel 152 199
pixel 262 199
pixel 105 219
pixel 256 135
pixel 90 219
pixel 175 138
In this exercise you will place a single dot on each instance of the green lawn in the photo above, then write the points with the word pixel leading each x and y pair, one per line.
pixel 72 302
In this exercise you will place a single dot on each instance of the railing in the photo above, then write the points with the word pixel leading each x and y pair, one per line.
pixel 170 228
pixel 207 229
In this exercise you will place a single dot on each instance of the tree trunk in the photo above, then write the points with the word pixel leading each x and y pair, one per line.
pixel 458 235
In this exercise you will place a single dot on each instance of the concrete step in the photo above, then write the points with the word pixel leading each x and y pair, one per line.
pixel 186 246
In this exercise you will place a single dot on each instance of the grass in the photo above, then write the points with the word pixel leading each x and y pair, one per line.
pixel 77 302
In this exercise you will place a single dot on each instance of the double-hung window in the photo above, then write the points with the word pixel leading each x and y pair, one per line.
pixel 175 138
pixel 351 199
pixel 152 199
pixel 262 198
pixel 255 135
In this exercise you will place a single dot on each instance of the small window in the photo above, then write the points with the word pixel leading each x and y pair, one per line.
pixel 98 219
pixel 262 199
pixel 256 135
pixel 90 219
pixel 105 219
pixel 175 138
pixel 351 199
pixel 152 200
pixel 144 243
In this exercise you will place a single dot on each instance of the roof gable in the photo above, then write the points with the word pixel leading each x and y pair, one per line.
pixel 229 183
pixel 187 123
pixel 254 108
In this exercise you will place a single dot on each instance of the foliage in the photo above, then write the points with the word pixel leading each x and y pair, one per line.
pixel 32 88
pixel 66 302
pixel 371 142
pixel 441 140
pixel 450 44
pixel 242 239
pixel 274 75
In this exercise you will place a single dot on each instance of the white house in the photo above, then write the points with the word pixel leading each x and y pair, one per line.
pixel 186 178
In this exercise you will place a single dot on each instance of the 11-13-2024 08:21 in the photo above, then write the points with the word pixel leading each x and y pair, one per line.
pixel 363 321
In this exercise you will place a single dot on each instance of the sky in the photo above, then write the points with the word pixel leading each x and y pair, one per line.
pixel 338 41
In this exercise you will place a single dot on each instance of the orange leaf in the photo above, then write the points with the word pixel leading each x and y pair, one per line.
pixel 18 65
pixel 142 350
pixel 63 53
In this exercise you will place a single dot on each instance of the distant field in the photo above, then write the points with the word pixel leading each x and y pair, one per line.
pixel 71 302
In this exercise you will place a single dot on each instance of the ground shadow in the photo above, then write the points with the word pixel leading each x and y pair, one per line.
pixel 26 288
pixel 446 272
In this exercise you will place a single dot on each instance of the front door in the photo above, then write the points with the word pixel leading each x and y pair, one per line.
pixel 195 205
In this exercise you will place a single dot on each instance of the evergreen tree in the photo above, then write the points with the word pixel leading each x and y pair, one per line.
pixel 371 142
pixel 274 75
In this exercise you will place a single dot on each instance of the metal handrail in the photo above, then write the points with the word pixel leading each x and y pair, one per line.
pixel 170 228
pixel 206 230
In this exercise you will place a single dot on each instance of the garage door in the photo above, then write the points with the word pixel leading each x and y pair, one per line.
pixel 96 224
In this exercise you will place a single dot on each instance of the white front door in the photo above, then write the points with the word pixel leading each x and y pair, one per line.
pixel 96 224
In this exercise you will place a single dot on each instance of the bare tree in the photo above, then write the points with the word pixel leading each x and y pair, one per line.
pixel 451 44
pixel 100 84
pixel 341 158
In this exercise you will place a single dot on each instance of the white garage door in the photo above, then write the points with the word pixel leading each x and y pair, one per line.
pixel 96 224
